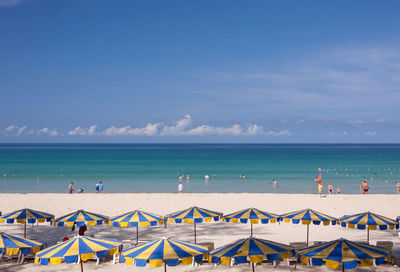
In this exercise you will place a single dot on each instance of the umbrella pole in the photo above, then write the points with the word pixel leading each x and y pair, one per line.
pixel 81 266
pixel 194 224
pixel 165 266
pixel 25 229
pixel 137 234
pixel 343 267
pixel 308 230
pixel 367 234
pixel 252 266
pixel 251 229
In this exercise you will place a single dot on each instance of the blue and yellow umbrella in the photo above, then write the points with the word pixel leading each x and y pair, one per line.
pixel 80 218
pixel 13 245
pixel 307 216
pixel 369 221
pixel 195 215
pixel 343 251
pixel 167 251
pixel 255 249
pixel 253 215
pixel 24 216
pixel 78 249
pixel 135 219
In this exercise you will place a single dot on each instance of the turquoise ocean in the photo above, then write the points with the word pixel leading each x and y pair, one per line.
pixel 140 168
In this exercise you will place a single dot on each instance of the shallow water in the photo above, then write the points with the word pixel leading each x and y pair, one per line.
pixel 155 167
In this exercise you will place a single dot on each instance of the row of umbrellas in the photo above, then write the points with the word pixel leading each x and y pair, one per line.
pixel 172 252
pixel 195 215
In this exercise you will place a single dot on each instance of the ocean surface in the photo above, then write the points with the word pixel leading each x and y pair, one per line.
pixel 156 167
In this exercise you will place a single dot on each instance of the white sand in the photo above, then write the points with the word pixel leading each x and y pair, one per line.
pixel 220 232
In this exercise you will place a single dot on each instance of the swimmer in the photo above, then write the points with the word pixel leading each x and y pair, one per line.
pixel 398 187
pixel 187 178
pixel 274 183
pixel 206 177
pixel 338 191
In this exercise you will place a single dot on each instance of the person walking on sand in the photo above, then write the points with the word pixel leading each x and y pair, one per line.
pixel 365 187
pixel 71 187
pixel 180 187
pixel 97 188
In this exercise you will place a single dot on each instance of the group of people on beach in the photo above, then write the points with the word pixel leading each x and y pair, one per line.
pixel 99 188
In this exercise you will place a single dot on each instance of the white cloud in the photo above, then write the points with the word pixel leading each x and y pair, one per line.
pixel 300 121
pixel 235 130
pixel 355 122
pixel 382 120
pixel 47 132
pixel 21 130
pixel 83 131
pixel 7 3
pixel 148 130
pixel 278 133
pixel 179 128
pixel 370 133
pixel 10 129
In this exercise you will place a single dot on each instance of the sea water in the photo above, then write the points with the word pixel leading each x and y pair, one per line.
pixel 155 167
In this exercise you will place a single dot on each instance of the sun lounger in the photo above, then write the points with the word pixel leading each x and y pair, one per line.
pixel 297 246
pixel 210 246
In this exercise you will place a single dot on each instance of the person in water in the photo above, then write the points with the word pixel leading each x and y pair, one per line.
pixel 338 190
pixel 398 187
pixel 101 187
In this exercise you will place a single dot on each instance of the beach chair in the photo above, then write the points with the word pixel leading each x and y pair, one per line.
pixel 388 245
pixel 210 246
pixel 297 246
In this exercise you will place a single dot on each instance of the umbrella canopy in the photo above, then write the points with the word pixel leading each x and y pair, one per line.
pixel 13 245
pixel 135 219
pixel 24 216
pixel 254 215
pixel 368 220
pixel 307 216
pixel 195 215
pixel 343 251
pixel 164 250
pixel 255 249
pixel 80 218
pixel 80 246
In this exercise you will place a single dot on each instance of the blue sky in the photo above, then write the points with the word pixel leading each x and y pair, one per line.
pixel 199 71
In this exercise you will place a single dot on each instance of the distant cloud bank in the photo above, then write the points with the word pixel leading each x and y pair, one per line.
pixel 182 127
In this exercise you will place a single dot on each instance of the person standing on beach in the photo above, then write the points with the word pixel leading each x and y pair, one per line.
pixel 100 187
pixel 97 188
pixel 71 187
pixel 365 187
pixel 180 187
pixel 330 189
pixel 319 180
pixel 398 187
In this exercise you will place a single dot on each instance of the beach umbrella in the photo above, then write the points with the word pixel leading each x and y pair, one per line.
pixel 195 215
pixel 253 215
pixel 369 221
pixel 307 216
pixel 255 249
pixel 78 249
pixel 135 219
pixel 342 251
pixel 24 216
pixel 80 218
pixel 167 251
pixel 13 245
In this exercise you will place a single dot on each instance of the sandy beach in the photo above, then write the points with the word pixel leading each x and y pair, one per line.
pixel 218 232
